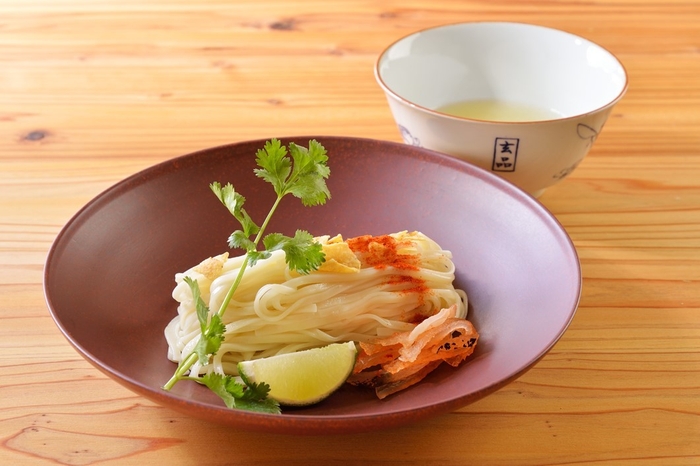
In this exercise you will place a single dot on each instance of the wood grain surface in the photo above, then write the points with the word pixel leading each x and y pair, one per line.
pixel 92 91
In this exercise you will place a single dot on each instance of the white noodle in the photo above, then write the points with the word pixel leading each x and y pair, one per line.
pixel 278 311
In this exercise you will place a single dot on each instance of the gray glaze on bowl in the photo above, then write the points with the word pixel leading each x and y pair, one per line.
pixel 109 274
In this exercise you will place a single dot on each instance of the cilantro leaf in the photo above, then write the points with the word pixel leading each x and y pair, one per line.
pixel 274 241
pixel 200 306
pixel 255 398
pixel 228 197
pixel 234 203
pixel 217 383
pixel 211 339
pixel 255 256
pixel 302 252
pixel 311 189
pixel 212 330
pixel 256 391
pixel 305 178
pixel 274 164
pixel 239 239
pixel 308 178
pixel 267 405
pixel 236 395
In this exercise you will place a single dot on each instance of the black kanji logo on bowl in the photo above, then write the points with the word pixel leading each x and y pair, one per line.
pixel 505 153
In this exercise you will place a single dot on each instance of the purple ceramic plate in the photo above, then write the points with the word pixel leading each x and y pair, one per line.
pixel 109 275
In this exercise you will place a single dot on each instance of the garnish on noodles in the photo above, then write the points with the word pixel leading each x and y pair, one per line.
pixel 392 295
pixel 396 362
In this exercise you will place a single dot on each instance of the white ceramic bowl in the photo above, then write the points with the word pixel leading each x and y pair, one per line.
pixel 566 84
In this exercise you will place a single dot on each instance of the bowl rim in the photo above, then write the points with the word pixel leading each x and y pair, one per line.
pixel 396 96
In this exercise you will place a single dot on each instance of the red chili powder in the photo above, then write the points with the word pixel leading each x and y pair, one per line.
pixel 381 252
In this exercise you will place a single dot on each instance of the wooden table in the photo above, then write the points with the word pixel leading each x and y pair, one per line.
pixel 92 91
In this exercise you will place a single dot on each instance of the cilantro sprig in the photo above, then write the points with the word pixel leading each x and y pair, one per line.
pixel 301 172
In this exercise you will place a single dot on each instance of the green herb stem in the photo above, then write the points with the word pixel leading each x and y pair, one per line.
pixel 192 358
pixel 182 369
pixel 239 277
pixel 306 180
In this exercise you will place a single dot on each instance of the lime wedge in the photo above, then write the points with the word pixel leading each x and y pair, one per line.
pixel 305 377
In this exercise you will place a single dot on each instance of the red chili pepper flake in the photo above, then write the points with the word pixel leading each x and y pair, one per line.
pixel 382 252
pixel 413 284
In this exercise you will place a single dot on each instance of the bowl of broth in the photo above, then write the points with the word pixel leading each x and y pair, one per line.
pixel 525 102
